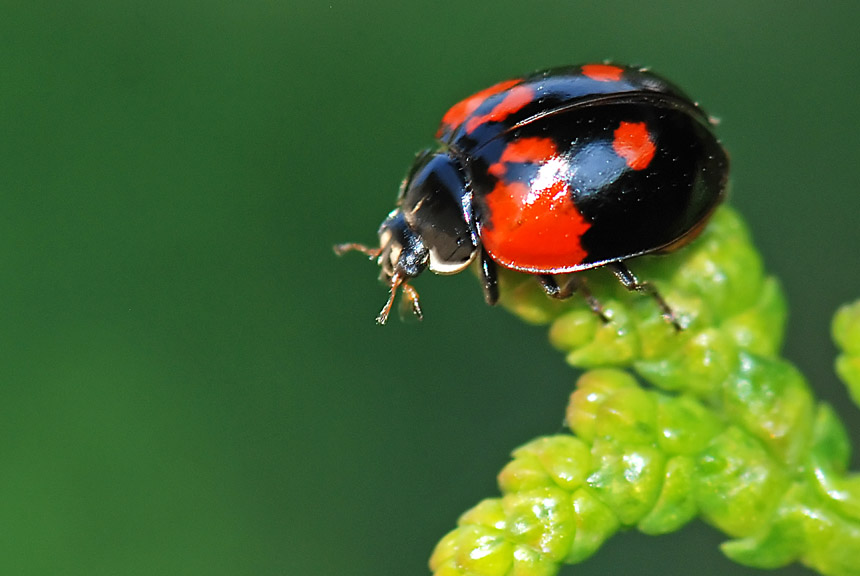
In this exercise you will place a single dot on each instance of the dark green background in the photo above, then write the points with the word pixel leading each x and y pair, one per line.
pixel 191 382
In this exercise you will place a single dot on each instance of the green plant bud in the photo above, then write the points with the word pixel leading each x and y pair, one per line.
pixel 524 472
pixel 574 329
pixel 628 416
pixel 724 269
pixel 770 400
pixel 760 328
pixel 848 369
pixel 846 328
pixel 615 343
pixel 675 506
pixel 780 542
pixel 842 493
pixel 541 519
pixel 529 562
pixel 592 390
pixel 595 523
pixel 832 543
pixel 627 478
pixel 565 459
pixel 522 295
pixel 830 445
pixel 487 512
pixel 441 561
pixel 477 551
pixel 657 338
pixel 846 334
pixel 478 545
pixel 737 484
pixel 700 366
pixel 801 529
pixel 684 425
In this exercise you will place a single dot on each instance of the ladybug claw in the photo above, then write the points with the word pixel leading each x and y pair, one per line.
pixel 409 293
pixel 382 317
pixel 412 295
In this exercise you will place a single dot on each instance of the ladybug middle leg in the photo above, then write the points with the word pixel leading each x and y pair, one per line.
pixel 630 282
pixel 572 283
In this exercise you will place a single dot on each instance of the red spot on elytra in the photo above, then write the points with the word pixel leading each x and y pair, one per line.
pixel 524 150
pixel 516 98
pixel 632 141
pixel 603 72
pixel 533 228
pixel 458 113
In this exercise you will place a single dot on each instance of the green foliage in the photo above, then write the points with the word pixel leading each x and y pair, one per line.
pixel 667 426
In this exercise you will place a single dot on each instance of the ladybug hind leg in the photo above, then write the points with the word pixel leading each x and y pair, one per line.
pixel 572 283
pixel 630 282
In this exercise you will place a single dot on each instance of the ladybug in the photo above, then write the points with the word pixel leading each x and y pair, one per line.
pixel 564 170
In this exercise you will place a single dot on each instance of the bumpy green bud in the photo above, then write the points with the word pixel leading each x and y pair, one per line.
pixel 478 546
pixel 830 445
pixel 541 520
pixel 627 478
pixel 723 269
pixel 563 461
pixel 595 523
pixel 846 333
pixel 846 328
pixel 592 391
pixel 675 505
pixel 770 400
pixel 760 328
pixel 684 425
pixel 667 426
pixel 737 484
pixel 699 366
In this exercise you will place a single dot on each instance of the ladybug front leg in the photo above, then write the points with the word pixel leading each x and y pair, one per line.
pixel 411 295
pixel 629 281
pixel 572 283
pixel 341 249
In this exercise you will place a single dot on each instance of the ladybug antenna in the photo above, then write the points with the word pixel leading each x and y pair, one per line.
pixel 398 281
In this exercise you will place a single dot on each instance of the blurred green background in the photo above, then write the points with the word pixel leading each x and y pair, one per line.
pixel 192 383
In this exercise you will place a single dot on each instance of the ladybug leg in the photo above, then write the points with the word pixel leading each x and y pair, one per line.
pixel 341 249
pixel 398 281
pixel 630 282
pixel 412 296
pixel 490 278
pixel 572 284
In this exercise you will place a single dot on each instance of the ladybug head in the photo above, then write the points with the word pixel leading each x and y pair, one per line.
pixel 431 228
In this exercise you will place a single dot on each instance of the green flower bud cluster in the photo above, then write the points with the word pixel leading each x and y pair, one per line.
pixel 668 426
pixel 846 333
